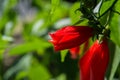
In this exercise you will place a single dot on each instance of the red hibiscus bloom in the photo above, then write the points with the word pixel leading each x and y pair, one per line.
pixel 70 36
pixel 74 52
pixel 95 61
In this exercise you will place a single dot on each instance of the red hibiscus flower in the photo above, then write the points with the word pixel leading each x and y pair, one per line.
pixel 70 36
pixel 95 61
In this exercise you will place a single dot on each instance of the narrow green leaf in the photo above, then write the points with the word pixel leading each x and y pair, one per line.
pixel 63 55
pixel 115 63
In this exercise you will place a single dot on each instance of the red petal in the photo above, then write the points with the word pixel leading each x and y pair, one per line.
pixel 74 52
pixel 71 36
pixel 94 63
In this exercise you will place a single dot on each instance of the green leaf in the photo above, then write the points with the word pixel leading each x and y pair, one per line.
pixel 21 75
pixel 61 12
pixel 115 24
pixel 3 21
pixel 38 45
pixel 106 5
pixel 115 63
pixel 2 53
pixel 38 72
pixel 74 13
pixel 63 55
pixel 0 78
pixel 115 28
pixel 61 77
pixel 55 4
pixel 3 45
pixel 117 6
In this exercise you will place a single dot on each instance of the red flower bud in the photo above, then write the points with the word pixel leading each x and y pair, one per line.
pixel 70 36
pixel 74 52
pixel 94 63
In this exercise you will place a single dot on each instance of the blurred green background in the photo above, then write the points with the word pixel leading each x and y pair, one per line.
pixel 25 53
